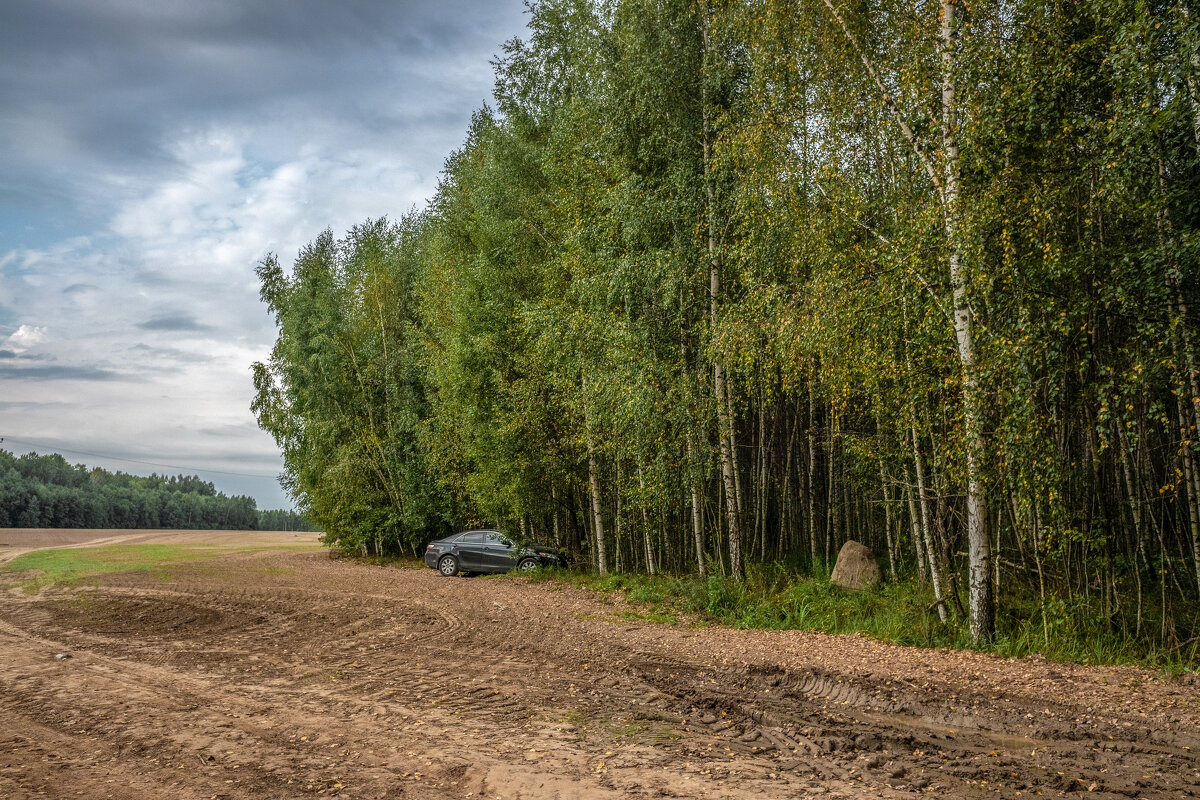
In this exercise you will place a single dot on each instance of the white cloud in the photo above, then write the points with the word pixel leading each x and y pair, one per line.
pixel 25 337
pixel 164 303
pixel 162 173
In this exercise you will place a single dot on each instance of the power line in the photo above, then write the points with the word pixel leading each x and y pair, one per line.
pixel 134 460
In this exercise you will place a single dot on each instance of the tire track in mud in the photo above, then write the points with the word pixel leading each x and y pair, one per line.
pixel 844 725
pixel 198 697
pixel 917 744
pixel 236 719
pixel 515 676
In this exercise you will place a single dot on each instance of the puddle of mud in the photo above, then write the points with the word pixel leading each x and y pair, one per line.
pixel 937 729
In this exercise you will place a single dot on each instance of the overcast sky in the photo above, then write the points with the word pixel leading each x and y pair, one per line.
pixel 151 152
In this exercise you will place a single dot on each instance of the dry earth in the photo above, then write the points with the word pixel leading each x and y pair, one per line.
pixel 284 674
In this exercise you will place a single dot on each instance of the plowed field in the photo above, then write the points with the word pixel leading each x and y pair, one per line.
pixel 285 674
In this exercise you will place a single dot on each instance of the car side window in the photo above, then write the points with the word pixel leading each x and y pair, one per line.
pixel 500 539
pixel 471 538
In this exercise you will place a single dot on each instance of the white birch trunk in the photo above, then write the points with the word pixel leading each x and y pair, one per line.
pixel 594 490
pixel 812 468
pixel 982 611
pixel 554 516
pixel 650 567
pixel 697 521
pixel 935 572
pixel 947 186
pixel 887 520
pixel 618 558
pixel 597 515
pixel 731 426
pixel 918 543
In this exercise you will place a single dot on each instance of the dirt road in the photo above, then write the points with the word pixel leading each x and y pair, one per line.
pixel 286 674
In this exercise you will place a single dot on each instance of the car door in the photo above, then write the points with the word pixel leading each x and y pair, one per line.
pixel 498 552
pixel 470 551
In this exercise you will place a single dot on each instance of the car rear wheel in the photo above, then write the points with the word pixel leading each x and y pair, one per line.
pixel 528 565
pixel 448 566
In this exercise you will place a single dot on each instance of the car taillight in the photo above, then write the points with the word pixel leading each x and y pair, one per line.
pixel 430 547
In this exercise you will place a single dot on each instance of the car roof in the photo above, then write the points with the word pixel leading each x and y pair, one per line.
pixel 460 534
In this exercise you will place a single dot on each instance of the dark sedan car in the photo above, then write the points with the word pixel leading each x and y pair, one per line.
pixel 488 551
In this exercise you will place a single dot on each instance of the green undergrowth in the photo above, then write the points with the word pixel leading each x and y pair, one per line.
pixel 775 598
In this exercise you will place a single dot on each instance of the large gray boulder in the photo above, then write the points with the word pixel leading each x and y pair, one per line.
pixel 856 568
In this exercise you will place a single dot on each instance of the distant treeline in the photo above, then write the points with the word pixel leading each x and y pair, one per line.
pixel 39 491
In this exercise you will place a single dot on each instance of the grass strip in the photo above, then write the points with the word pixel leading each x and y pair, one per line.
pixel 70 565
pixel 774 598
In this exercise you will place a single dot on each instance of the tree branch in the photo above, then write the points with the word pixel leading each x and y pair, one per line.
pixel 888 100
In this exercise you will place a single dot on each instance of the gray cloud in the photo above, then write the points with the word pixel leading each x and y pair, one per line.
pixel 150 278
pixel 59 372
pixel 173 323
pixel 41 406
pixel 171 354
pixel 151 153
pixel 106 79
pixel 11 354
pixel 233 430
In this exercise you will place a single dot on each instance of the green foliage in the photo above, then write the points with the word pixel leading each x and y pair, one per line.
pixel 343 394
pixel 47 492
pixel 669 193
pixel 282 519
pixel 774 598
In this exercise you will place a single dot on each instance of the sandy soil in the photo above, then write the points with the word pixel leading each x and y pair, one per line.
pixel 286 674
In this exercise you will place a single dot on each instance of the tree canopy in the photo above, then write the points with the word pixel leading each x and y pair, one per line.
pixel 719 283
pixel 45 491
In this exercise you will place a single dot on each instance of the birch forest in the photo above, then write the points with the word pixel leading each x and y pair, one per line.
pixel 717 285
